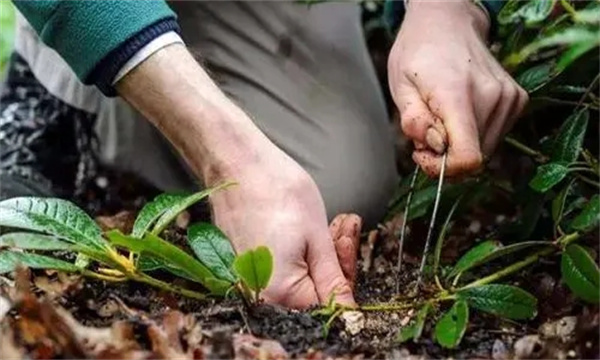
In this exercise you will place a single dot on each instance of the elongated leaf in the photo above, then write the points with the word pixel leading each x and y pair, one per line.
pixel 573 53
pixel 9 260
pixel 537 76
pixel 167 252
pixel 558 204
pixel 213 249
pixel 475 255
pixel 589 218
pixel 415 329
pixel 536 11
pixel 547 176
pixel 255 267
pixel 57 217
pixel 33 241
pixel 501 300
pixel 567 145
pixel 453 324
pixel 588 16
pixel 499 252
pixel 580 273
pixel 152 211
pixel 567 37
pixel 171 213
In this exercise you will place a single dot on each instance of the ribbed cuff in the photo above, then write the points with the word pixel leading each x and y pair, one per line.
pixel 106 70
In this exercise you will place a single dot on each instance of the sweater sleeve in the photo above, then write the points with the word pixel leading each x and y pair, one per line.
pixel 97 37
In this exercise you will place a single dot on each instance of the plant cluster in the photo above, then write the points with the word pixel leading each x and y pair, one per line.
pixel 58 225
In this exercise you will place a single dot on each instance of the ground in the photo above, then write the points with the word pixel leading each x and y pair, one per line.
pixel 54 315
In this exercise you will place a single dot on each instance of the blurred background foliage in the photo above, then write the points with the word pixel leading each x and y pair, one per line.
pixel 7 33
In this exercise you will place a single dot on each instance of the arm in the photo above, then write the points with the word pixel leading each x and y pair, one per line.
pixel 442 73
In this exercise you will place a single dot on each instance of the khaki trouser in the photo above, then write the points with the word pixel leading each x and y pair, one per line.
pixel 301 72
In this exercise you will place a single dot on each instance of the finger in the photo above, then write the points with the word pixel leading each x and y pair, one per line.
pixel 326 272
pixel 415 116
pixel 300 289
pixel 500 117
pixel 346 242
pixel 336 225
pixel 464 152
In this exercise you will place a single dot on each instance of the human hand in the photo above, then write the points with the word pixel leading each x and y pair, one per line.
pixel 278 205
pixel 447 85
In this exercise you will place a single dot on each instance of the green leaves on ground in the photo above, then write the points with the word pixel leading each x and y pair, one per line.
pixel 171 256
pixel 181 204
pixel 57 217
pixel 213 249
pixel 488 251
pixel 152 211
pixel 9 260
pixel 255 267
pixel 453 324
pixel 501 300
pixel 567 145
pixel 580 273
pixel 589 217
pixel 33 241
pixel 415 328
pixel 547 176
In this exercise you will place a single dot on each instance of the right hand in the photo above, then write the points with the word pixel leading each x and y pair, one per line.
pixel 277 204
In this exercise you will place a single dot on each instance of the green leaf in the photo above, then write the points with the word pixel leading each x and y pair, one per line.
pixel 152 211
pixel 474 256
pixel 588 16
pixel 558 204
pixel 171 213
pixel 82 261
pixel 9 260
pixel 565 37
pixel 415 329
pixel 255 267
pixel 537 76
pixel 501 300
pixel 170 254
pixel 547 176
pixel 57 217
pixel 531 12
pixel 453 324
pixel 213 249
pixel 33 241
pixel 589 218
pixel 580 273
pixel 573 53
pixel 498 252
pixel 567 145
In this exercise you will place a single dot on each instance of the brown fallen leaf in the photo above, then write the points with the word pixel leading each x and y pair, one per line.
pixel 123 221
pixel 247 347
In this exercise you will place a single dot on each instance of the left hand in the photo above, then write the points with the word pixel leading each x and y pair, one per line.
pixel 442 76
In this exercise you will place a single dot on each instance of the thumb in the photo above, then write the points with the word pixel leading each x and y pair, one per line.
pixel 416 119
pixel 326 272
pixel 464 151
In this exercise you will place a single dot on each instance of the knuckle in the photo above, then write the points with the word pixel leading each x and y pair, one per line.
pixel 491 90
pixel 470 161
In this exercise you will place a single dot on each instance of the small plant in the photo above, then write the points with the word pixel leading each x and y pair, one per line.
pixel 58 225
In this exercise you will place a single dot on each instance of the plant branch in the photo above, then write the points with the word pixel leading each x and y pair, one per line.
pixel 568 8
pixel 444 296
pixel 563 241
pixel 564 102
pixel 102 277
pixel 525 149
pixel 141 277
pixel 588 90
pixel 587 180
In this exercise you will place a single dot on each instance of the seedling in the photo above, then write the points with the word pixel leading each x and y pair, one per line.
pixel 55 224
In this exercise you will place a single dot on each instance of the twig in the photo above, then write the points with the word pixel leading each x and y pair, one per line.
pixel 588 90
pixel 432 221
pixel 141 277
pixel 403 228
pixel 587 180
pixel 525 149
pixel 563 102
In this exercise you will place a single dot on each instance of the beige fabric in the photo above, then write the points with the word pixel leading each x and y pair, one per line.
pixel 303 74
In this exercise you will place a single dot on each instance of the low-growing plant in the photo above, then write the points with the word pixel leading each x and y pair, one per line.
pixel 546 45
pixel 58 225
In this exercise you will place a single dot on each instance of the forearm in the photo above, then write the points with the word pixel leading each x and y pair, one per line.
pixel 213 135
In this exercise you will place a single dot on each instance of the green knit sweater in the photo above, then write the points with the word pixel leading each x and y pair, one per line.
pixel 93 33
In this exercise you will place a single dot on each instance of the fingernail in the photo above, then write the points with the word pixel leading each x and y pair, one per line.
pixel 435 141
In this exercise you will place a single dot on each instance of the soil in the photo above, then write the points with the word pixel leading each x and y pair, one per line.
pixel 98 304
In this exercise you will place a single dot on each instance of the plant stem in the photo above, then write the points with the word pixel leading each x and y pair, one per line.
pixel 525 149
pixel 141 277
pixel 568 8
pixel 402 306
pixel 583 169
pixel 588 90
pixel 588 180
pixel 565 240
pixel 563 102
pixel 102 277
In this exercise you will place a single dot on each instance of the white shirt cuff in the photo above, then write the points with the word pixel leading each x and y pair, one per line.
pixel 153 46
